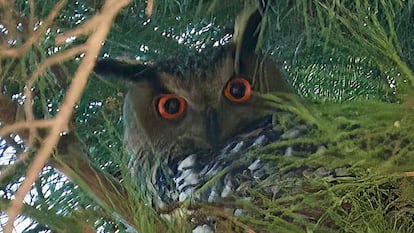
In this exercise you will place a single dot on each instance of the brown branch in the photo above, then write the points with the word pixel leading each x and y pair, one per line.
pixel 409 173
pixel 94 43
pixel 85 29
pixel 103 188
pixel 18 126
pixel 32 15
pixel 106 190
pixel 150 7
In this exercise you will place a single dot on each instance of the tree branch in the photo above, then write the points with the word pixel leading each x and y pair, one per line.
pixel 93 44
pixel 103 188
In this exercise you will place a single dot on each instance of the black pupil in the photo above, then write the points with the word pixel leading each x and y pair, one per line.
pixel 237 90
pixel 172 106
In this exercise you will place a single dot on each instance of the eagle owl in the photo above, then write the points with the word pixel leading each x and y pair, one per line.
pixel 184 116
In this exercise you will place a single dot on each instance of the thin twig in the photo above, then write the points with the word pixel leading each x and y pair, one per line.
pixel 32 15
pixel 94 44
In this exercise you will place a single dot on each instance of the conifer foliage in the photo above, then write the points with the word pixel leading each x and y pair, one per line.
pixel 62 163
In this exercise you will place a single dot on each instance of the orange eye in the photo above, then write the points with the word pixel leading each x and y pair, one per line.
pixel 238 90
pixel 171 106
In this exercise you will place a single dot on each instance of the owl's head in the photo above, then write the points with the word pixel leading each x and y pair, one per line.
pixel 197 101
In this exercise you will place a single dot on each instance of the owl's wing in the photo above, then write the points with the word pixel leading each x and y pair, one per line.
pixel 227 172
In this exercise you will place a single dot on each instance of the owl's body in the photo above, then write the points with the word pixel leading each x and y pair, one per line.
pixel 182 116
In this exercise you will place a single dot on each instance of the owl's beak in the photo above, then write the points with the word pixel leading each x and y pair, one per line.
pixel 212 127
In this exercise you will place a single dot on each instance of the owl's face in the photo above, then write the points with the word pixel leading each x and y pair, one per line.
pixel 193 102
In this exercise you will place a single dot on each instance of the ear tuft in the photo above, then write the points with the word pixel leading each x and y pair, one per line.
pixel 246 31
pixel 247 28
pixel 125 69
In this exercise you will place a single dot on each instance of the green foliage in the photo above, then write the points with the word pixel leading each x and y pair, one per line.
pixel 352 59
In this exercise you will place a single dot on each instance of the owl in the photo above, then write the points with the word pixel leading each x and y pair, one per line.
pixel 188 118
